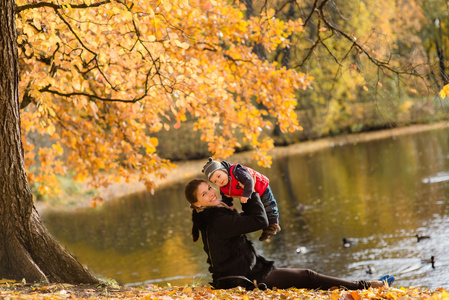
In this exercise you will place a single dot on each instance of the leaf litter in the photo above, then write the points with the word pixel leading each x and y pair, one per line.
pixel 10 289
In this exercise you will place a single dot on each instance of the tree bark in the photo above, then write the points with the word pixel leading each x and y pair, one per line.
pixel 258 49
pixel 27 250
pixel 442 63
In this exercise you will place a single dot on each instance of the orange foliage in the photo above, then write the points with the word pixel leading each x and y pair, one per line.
pixel 102 76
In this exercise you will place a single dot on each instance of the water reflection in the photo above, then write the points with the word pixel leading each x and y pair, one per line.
pixel 380 193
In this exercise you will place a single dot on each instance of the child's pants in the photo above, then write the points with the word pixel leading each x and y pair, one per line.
pixel 271 207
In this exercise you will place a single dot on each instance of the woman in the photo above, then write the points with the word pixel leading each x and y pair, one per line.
pixel 232 258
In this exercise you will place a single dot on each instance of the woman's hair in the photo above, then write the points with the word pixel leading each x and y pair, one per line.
pixel 191 189
pixel 190 192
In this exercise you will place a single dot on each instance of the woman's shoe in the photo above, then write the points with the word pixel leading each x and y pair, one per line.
pixel 383 278
pixel 387 279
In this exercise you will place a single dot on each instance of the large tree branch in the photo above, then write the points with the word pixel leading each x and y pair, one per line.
pixel 56 6
pixel 47 89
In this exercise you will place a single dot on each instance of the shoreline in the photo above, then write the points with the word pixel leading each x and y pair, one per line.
pixel 192 168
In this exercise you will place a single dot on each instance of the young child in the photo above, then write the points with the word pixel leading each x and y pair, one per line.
pixel 240 181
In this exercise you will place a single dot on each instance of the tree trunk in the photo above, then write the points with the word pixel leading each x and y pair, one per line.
pixel 258 49
pixel 285 60
pixel 442 64
pixel 27 250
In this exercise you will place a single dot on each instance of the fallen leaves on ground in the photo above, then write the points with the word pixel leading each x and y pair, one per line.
pixel 12 290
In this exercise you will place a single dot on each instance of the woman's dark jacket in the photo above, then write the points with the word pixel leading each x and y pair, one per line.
pixel 229 252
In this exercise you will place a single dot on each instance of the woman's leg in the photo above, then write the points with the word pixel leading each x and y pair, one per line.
pixel 283 278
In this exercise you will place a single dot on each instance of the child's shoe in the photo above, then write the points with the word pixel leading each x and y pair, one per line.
pixel 268 232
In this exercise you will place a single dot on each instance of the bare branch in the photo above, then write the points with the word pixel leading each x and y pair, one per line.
pixel 312 11
pixel 330 53
pixel 278 10
pixel 381 64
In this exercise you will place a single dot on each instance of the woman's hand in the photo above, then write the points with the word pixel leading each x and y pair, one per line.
pixel 243 199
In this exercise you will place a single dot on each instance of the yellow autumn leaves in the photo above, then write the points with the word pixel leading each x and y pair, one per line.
pixel 103 79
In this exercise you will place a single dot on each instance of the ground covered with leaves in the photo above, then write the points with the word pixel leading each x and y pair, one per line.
pixel 13 290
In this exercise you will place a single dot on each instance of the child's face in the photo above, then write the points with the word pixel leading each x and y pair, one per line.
pixel 219 178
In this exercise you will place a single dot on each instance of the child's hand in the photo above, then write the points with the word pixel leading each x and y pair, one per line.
pixel 243 199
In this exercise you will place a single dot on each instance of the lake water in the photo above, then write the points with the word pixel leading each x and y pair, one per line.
pixel 380 193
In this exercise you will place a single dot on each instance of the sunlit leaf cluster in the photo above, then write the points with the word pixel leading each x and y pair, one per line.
pixel 98 78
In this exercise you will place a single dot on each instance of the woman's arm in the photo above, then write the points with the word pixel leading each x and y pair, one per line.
pixel 252 219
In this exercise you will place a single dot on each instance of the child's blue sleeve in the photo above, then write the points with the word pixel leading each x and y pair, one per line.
pixel 244 177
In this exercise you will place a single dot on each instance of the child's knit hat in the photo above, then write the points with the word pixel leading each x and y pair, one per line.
pixel 211 166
